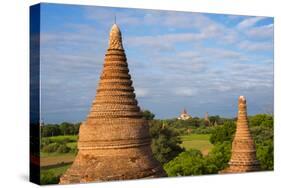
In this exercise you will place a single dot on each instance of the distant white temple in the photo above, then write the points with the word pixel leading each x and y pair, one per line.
pixel 184 115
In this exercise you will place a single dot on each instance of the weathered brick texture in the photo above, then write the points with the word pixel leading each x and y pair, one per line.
pixel 243 157
pixel 114 142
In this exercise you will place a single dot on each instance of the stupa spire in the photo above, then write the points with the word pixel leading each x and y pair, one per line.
pixel 243 154
pixel 114 141
pixel 115 38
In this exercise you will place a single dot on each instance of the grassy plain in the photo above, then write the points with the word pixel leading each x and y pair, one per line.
pixel 197 141
pixel 55 158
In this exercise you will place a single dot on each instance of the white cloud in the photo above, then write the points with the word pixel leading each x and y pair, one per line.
pixel 165 40
pixel 185 91
pixel 248 28
pixel 181 55
pixel 261 32
pixel 220 53
pixel 223 87
pixel 255 46
pixel 249 22
pixel 141 92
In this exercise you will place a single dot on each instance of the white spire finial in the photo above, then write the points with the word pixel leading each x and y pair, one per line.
pixel 242 98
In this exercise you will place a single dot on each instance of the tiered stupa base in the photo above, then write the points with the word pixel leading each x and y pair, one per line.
pixel 240 167
pixel 112 164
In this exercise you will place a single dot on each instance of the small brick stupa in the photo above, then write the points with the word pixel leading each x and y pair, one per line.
pixel 114 141
pixel 243 156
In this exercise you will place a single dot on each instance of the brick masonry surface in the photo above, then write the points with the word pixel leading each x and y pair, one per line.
pixel 243 154
pixel 114 142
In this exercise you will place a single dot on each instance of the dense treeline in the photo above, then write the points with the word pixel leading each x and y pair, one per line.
pixel 64 128
pixel 51 145
pixel 58 144
pixel 195 124
pixel 192 162
pixel 261 127
pixel 166 142
pixel 166 145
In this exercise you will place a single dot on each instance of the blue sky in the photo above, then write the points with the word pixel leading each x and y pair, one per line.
pixel 201 62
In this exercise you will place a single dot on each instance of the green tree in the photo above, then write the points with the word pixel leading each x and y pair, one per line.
pixel 261 120
pixel 76 128
pixel 63 148
pixel 165 142
pixel 195 122
pixel 218 158
pixel 65 128
pixel 223 132
pixel 215 119
pixel 50 130
pixel 261 134
pixel 148 115
pixel 261 127
pixel 190 162
pixel 265 155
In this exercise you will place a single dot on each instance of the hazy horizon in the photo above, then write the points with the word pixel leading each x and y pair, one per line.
pixel 198 61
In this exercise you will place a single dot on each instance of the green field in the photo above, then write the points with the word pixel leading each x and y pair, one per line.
pixel 56 171
pixel 55 158
pixel 51 175
pixel 69 138
pixel 197 141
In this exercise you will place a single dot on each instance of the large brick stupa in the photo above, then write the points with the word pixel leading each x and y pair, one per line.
pixel 114 141
pixel 243 154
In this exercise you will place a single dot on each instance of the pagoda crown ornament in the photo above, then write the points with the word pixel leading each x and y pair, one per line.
pixel 115 38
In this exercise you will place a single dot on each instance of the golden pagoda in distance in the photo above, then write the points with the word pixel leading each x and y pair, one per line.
pixel 243 154
pixel 114 141
pixel 184 115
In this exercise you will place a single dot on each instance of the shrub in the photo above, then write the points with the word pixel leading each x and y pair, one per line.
pixel 48 178
pixel 190 162
pixel 74 150
pixel 64 140
pixel 63 148
pixel 51 148
pixel 56 147
pixel 45 142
